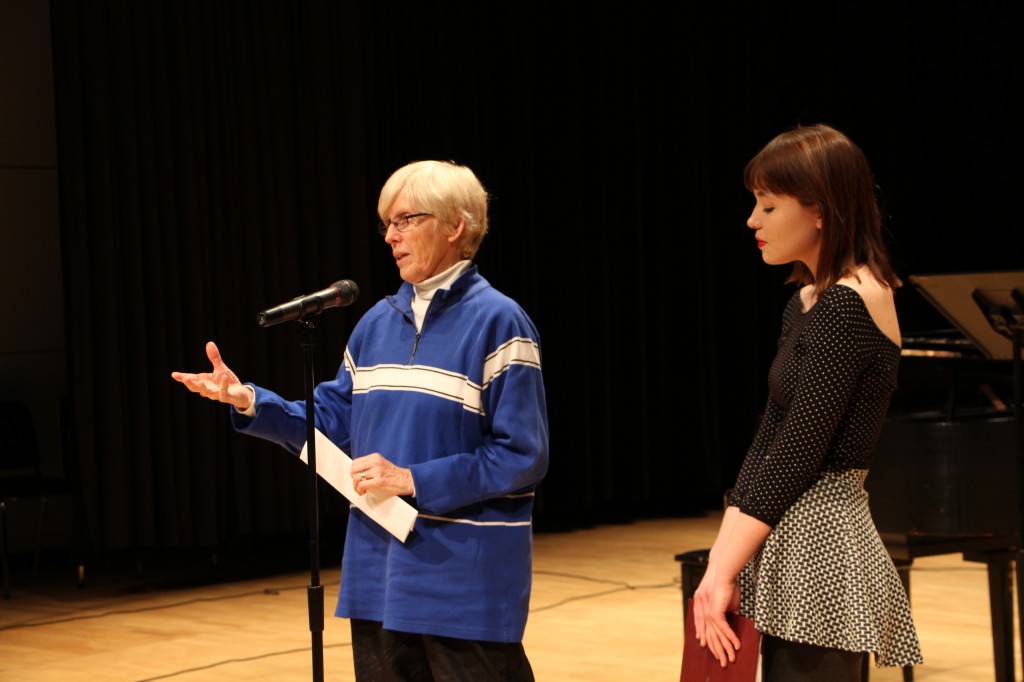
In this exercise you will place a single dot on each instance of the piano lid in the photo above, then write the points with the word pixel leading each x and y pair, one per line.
pixel 959 367
pixel 953 296
pixel 946 463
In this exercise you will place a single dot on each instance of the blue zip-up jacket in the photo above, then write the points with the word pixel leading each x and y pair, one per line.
pixel 462 405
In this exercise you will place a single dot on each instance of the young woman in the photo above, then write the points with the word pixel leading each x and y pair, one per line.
pixel 797 551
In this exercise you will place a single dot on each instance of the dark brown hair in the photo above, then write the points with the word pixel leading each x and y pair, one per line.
pixel 821 167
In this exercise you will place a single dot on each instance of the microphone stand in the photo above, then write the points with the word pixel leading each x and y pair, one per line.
pixel 315 591
pixel 304 310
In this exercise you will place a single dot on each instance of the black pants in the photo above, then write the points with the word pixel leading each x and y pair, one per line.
pixel 387 656
pixel 783 661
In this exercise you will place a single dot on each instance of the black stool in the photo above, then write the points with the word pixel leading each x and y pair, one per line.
pixel 693 564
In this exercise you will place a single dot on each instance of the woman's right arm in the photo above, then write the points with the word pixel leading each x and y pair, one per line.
pixel 739 538
pixel 220 384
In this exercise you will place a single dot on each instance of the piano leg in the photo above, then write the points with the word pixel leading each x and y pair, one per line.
pixel 997 552
pixel 1000 591
pixel 1020 600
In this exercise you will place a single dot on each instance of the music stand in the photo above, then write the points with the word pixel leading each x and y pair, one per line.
pixel 1000 299
pixel 953 296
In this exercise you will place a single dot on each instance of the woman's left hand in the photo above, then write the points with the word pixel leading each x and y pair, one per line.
pixel 711 602
pixel 375 472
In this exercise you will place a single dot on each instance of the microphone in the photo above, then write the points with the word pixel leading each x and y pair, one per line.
pixel 341 293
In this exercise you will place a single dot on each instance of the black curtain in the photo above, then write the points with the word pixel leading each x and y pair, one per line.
pixel 218 158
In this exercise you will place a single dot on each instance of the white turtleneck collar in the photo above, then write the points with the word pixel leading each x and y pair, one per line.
pixel 425 290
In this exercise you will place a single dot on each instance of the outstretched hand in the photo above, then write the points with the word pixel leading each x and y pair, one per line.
pixel 221 384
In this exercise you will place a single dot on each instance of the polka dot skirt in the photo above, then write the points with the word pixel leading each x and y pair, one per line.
pixel 823 577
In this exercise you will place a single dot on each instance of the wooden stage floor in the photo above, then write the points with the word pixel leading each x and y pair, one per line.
pixel 606 607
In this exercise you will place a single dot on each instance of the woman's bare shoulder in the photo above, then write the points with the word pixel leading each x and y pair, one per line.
pixel 878 299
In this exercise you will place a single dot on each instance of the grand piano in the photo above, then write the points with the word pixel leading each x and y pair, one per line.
pixel 946 473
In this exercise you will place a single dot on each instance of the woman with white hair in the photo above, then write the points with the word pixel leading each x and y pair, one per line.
pixel 440 399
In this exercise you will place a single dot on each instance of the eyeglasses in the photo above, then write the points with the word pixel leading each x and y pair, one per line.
pixel 401 223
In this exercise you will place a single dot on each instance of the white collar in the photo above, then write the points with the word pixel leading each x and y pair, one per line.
pixel 425 289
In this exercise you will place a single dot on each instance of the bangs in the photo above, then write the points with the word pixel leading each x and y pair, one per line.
pixel 776 170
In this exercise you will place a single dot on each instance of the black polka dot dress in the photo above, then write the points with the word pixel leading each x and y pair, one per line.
pixel 823 576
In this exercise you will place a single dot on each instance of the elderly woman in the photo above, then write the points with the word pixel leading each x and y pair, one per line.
pixel 440 399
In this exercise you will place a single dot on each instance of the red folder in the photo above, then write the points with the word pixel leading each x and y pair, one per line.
pixel 700 665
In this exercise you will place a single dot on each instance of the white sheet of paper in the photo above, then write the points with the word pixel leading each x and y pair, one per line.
pixel 393 513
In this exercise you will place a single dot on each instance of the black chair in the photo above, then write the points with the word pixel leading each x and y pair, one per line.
pixel 21 477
